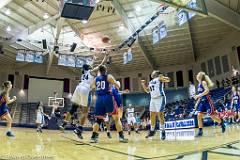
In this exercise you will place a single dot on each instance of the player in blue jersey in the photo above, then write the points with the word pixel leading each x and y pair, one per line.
pixel 81 98
pixel 204 103
pixel 4 101
pixel 158 101
pixel 117 104
pixel 235 104
pixel 104 103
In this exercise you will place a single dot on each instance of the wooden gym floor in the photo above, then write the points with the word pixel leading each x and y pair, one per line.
pixel 181 144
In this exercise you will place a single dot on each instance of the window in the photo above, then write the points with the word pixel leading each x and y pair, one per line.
pixel 225 64
pixel 171 76
pixel 218 67
pixel 127 83
pixel 179 78
pixel 204 67
pixel 210 68
pixel 190 76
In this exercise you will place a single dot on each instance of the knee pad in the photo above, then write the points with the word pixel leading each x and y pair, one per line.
pixel 73 108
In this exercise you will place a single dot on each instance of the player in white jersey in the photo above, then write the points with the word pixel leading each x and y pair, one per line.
pixel 131 120
pixel 81 97
pixel 158 101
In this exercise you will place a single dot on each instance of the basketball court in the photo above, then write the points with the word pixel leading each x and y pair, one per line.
pixel 180 144
pixel 45 44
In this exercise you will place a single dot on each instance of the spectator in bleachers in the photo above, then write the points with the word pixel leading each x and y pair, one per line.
pixel 223 83
pixel 235 72
pixel 191 90
pixel 218 84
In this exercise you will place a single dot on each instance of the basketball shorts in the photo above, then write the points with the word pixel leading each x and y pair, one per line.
pixel 82 96
pixel 206 106
pixel 3 111
pixel 236 107
pixel 131 120
pixel 157 104
pixel 40 119
pixel 104 104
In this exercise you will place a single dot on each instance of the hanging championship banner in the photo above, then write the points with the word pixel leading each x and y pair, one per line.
pixel 38 58
pixel 80 62
pixel 29 57
pixel 182 17
pixel 70 61
pixel 162 30
pixel 155 35
pixel 62 60
pixel 20 57
pixel 125 58
pixel 89 61
pixel 129 55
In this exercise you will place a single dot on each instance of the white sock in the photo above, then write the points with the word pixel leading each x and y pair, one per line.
pixel 162 127
pixel 152 128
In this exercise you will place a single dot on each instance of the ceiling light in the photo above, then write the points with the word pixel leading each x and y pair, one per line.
pixel 121 28
pixel 84 21
pixel 8 12
pixel 45 16
pixel 97 1
pixel 9 29
pixel 138 8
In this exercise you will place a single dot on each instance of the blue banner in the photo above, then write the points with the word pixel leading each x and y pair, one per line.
pixel 180 124
pixel 163 31
pixel 20 57
pixel 80 62
pixel 38 58
pixel 155 36
pixel 29 57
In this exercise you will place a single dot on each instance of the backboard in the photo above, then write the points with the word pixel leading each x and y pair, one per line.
pixel 53 102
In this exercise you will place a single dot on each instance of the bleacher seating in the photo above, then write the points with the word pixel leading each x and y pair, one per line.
pixel 219 93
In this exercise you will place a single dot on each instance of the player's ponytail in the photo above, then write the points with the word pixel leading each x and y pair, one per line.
pixel 206 78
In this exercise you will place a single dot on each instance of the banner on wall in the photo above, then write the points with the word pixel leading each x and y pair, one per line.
pixel 89 61
pixel 162 31
pixel 20 57
pixel 80 62
pixel 62 60
pixel 70 61
pixel 29 57
pixel 182 17
pixel 155 35
pixel 125 58
pixel 38 58
pixel 180 124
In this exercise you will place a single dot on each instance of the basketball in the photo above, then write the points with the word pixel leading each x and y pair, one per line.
pixel 106 40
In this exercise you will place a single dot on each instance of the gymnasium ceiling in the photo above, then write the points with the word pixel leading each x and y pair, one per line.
pixel 183 44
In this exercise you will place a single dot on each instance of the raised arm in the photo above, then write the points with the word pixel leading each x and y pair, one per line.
pixel 113 81
pixel 103 61
pixel 164 79
pixel 145 88
pixel 93 86
pixel 8 100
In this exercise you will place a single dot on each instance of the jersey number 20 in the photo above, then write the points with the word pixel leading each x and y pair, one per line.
pixel 100 85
